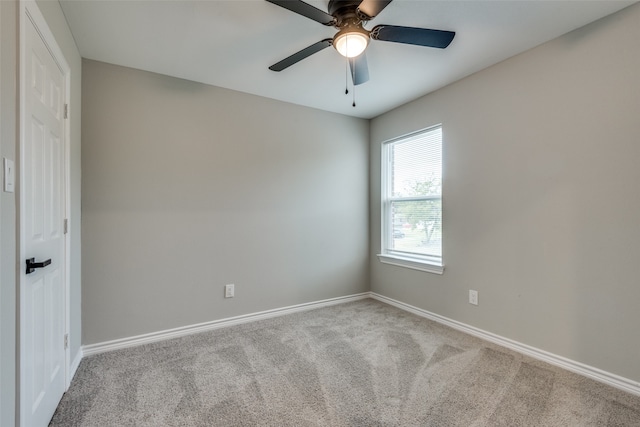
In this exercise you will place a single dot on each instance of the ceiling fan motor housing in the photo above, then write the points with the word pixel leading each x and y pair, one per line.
pixel 345 12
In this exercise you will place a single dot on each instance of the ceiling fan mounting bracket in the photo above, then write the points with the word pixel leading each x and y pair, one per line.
pixel 375 31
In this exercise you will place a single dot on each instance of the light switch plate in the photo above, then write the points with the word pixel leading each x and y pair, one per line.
pixel 9 176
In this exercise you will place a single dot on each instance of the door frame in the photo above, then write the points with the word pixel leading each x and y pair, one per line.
pixel 29 10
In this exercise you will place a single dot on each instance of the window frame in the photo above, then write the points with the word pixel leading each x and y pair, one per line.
pixel 427 263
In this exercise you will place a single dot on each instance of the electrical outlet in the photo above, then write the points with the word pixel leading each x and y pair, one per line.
pixel 229 291
pixel 473 297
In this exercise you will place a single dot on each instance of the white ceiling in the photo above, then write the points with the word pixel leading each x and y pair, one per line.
pixel 231 44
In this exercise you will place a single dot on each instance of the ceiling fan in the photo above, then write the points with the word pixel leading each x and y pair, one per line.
pixel 349 17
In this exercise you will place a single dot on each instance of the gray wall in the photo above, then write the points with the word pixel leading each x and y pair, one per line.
pixel 188 187
pixel 8 145
pixel 540 197
pixel 9 262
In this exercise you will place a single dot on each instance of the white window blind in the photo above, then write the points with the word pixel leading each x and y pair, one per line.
pixel 412 197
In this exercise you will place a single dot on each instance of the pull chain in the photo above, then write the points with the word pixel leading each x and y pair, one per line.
pixel 346 69
pixel 354 96
pixel 354 83
pixel 346 76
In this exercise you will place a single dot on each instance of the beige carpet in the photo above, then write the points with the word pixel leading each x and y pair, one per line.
pixel 358 364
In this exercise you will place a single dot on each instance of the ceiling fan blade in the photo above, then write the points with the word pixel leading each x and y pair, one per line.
pixel 299 56
pixel 410 35
pixel 372 8
pixel 359 69
pixel 304 9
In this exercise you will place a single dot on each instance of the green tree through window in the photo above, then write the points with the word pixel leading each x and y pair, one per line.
pixel 423 215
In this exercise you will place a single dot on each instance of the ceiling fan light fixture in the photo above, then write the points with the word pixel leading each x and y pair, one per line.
pixel 351 42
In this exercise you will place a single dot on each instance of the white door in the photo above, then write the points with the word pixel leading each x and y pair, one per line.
pixel 42 189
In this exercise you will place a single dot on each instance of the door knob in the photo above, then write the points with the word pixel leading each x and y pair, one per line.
pixel 32 265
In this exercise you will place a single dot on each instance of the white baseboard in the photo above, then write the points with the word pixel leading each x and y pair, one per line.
pixel 74 367
pixel 91 349
pixel 613 380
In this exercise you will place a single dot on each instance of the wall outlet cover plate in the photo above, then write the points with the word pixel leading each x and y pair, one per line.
pixel 229 291
pixel 473 297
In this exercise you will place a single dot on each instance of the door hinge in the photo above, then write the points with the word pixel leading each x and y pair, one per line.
pixel 66 226
pixel 66 111
pixel 66 341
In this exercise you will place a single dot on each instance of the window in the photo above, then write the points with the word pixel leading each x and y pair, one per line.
pixel 412 201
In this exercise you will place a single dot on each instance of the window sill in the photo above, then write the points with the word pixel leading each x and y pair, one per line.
pixel 415 264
